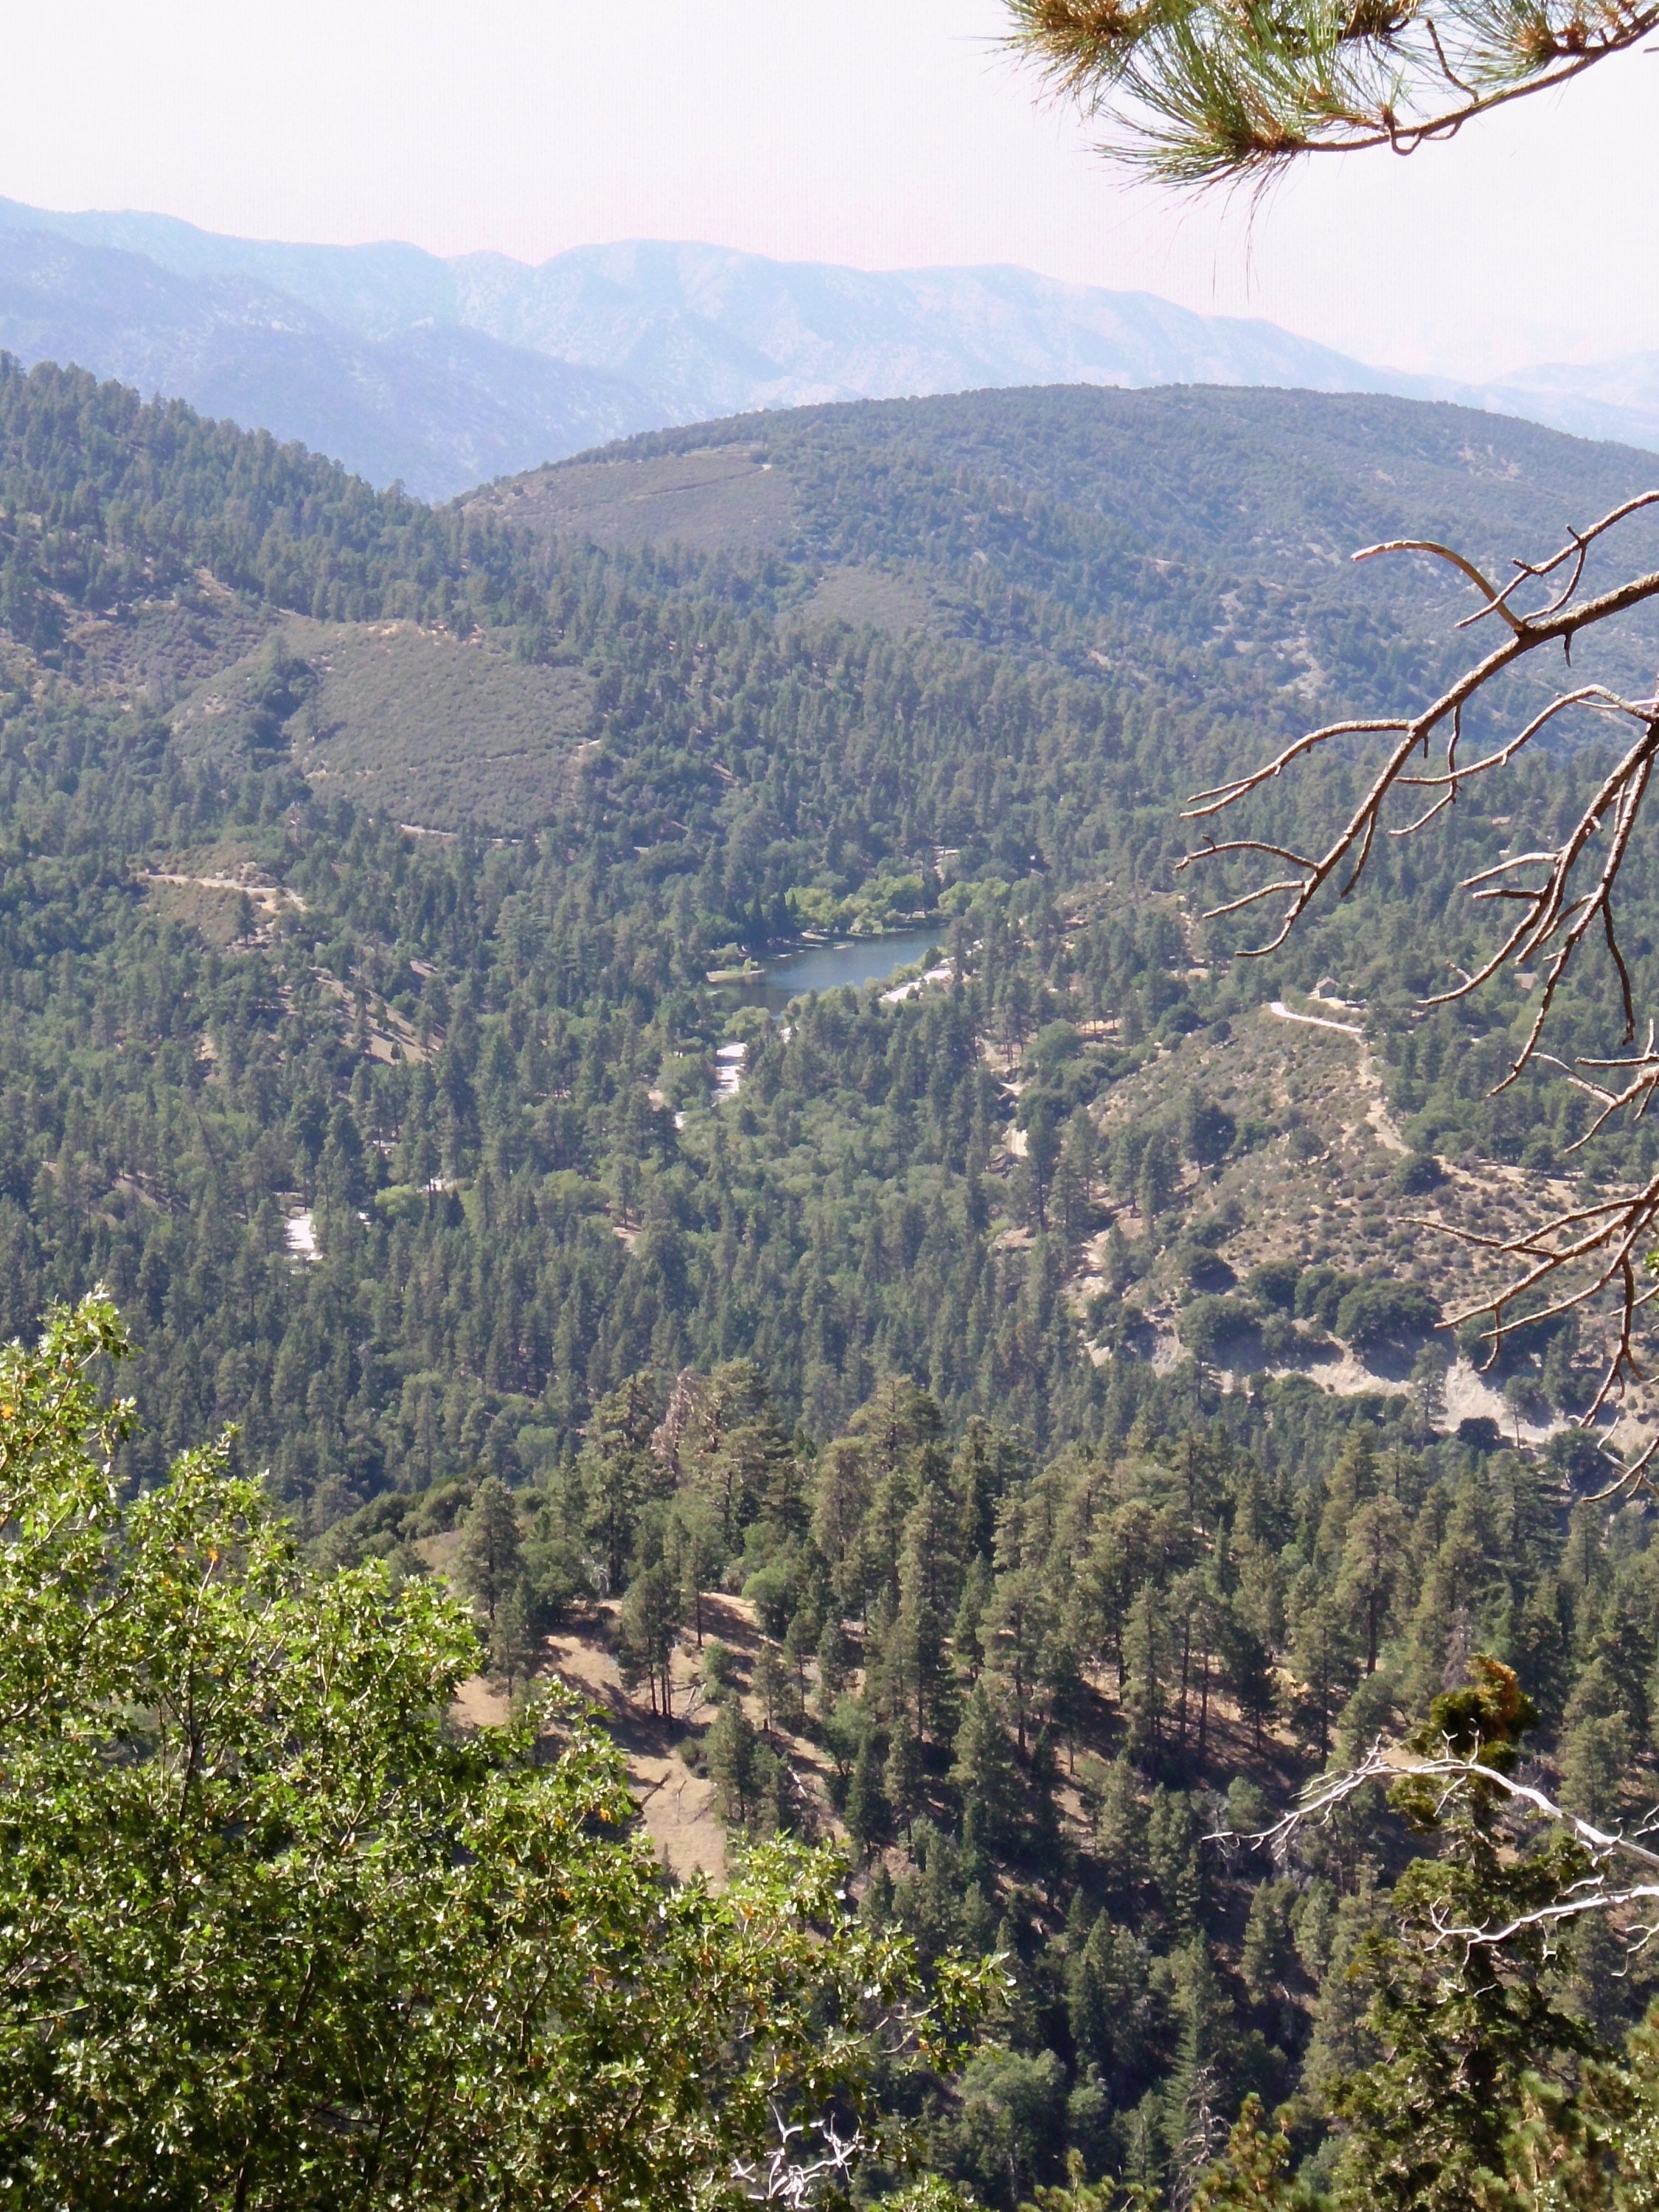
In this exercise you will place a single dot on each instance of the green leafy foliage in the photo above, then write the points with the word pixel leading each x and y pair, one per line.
pixel 275 1935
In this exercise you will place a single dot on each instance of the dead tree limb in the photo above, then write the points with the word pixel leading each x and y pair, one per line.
pixel 1623 1867
pixel 1562 897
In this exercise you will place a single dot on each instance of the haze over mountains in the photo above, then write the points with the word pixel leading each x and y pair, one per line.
pixel 445 373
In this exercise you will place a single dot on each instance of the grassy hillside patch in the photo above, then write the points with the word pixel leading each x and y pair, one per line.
pixel 439 732
pixel 870 597
pixel 724 501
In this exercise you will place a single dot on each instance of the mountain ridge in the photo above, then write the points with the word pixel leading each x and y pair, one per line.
pixel 351 349
pixel 438 407
pixel 443 374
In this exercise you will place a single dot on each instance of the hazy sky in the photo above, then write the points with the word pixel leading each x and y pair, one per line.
pixel 885 133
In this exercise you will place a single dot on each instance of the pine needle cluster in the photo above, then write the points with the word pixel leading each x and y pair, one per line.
pixel 1205 92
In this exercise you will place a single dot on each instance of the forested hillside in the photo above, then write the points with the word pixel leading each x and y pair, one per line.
pixel 1031 1688
pixel 364 870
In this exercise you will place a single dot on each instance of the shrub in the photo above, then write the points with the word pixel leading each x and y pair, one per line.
pixel 1206 1130
pixel 1479 1433
pixel 1419 1173
pixel 1280 1338
pixel 1204 1269
pixel 1210 1324
pixel 1385 1313
pixel 1273 1284
pixel 720 1670
pixel 1053 1044
pixel 1319 1292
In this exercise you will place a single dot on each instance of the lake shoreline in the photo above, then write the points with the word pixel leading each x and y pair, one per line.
pixel 810 966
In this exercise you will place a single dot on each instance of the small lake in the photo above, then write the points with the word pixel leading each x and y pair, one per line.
pixel 857 961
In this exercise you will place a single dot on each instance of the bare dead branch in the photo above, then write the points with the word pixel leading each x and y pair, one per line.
pixel 1619 1859
pixel 786 2177
pixel 1560 897
pixel 1494 599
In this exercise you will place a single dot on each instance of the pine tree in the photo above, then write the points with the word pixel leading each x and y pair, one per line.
pixel 751 1470
pixel 1159 1177
pixel 779 1800
pixel 1351 1482
pixel 488 1559
pixel 512 1645
pixel 617 1475
pixel 1599 1986
pixel 836 1663
pixel 1247 1663
pixel 876 1906
pixel 902 1777
pixel 1373 1555
pixel 733 1751
pixel 800 1643
pixel 988 1464
pixel 987 1777
pixel 1252 2173
pixel 650 1622
pixel 774 1686
pixel 1022 1609
pixel 1021 1996
pixel 1042 1834
pixel 1266 1952
pixel 1325 1655
pixel 1065 1688
pixel 1330 1938
pixel 1121 1836
pixel 1460 2027
pixel 967 1639
pixel 1199 2081
pixel 1595 1759
pixel 694 1544
pixel 867 1816
pixel 1174 1860
pixel 1145 1661
pixel 1109 2006
pixel 929 1575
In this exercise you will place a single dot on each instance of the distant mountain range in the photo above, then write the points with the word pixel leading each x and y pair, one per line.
pixel 445 373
